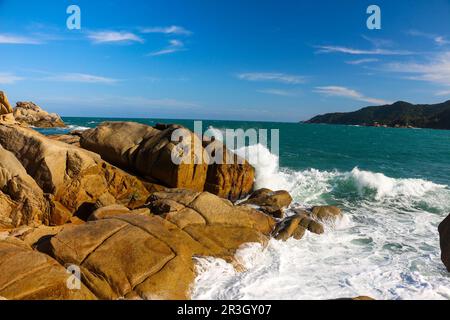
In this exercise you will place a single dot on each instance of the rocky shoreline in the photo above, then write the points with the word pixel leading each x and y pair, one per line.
pixel 110 202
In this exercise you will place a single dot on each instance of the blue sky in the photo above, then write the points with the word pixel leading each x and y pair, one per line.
pixel 239 60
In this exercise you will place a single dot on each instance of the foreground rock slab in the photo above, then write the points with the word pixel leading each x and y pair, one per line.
pixel 129 255
pixel 29 275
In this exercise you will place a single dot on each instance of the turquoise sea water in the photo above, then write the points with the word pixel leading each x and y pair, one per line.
pixel 392 185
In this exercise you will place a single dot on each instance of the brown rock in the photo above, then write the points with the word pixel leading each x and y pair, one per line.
pixel 143 256
pixel 295 226
pixel 66 138
pixel 31 114
pixel 444 236
pixel 325 213
pixel 232 177
pixel 5 107
pixel 74 177
pixel 147 151
pixel 21 199
pixel 115 210
pixel 207 208
pixel 273 203
pixel 29 275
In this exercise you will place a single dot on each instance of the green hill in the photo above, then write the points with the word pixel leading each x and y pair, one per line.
pixel 435 116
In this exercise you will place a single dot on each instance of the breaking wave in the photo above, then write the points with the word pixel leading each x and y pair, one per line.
pixel 387 246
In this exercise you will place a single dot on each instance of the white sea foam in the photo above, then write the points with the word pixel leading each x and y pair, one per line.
pixel 72 127
pixel 387 245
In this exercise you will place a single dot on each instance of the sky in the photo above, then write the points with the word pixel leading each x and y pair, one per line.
pixel 261 60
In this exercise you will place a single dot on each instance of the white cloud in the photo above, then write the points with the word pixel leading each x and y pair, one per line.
pixel 81 78
pixel 123 101
pixel 167 30
pixel 9 78
pixel 378 42
pixel 344 92
pixel 278 92
pixel 435 69
pixel 114 37
pixel 14 39
pixel 174 46
pixel 438 39
pixel 443 93
pixel 352 51
pixel 361 61
pixel 272 77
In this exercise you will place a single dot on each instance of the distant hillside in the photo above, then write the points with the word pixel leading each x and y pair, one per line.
pixel 399 114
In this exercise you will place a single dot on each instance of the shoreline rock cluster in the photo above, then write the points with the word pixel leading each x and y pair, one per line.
pixel 109 202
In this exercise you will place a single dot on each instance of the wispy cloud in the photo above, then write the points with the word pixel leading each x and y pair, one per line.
pixel 278 92
pixel 437 39
pixel 272 77
pixel 167 30
pixel 15 39
pixel 9 78
pixel 174 46
pixel 379 42
pixel 361 61
pixel 344 92
pixel 443 93
pixel 435 70
pixel 123 101
pixel 353 51
pixel 114 37
pixel 81 78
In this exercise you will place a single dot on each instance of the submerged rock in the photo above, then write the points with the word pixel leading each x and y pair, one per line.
pixel 32 115
pixel 326 213
pixel 444 235
pixel 295 226
pixel 270 202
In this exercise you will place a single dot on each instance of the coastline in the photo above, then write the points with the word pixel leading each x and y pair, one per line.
pixel 166 224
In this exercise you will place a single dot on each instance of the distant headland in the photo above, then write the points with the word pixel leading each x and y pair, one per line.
pixel 399 115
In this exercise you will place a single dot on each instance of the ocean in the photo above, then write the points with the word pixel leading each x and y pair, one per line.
pixel 393 187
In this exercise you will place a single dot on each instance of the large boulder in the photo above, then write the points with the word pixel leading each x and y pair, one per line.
pixel 5 107
pixel 74 178
pixel 31 114
pixel 232 177
pixel 146 151
pixel 128 255
pixel 444 235
pixel 29 275
pixel 22 201
pixel 270 202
